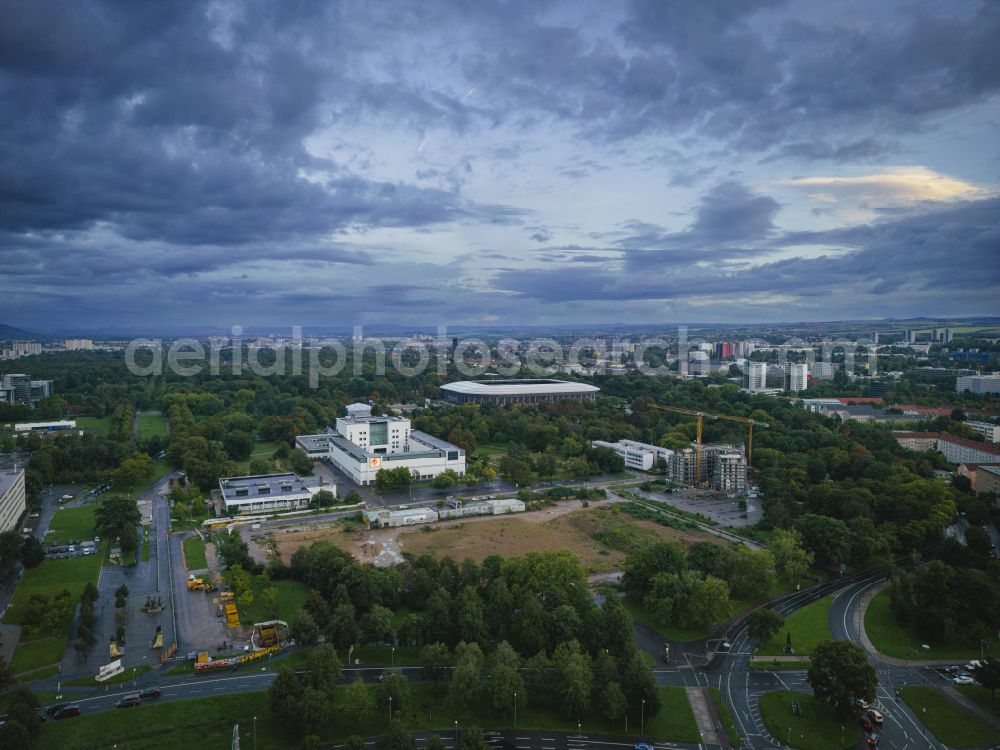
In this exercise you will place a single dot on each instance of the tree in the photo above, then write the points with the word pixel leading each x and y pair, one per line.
pixel 764 623
pixel 269 600
pixel 839 673
pixel 134 471
pixel 359 703
pixel 988 675
pixel 612 701
pixel 22 710
pixel 466 679
pixel 323 499
pixel 283 695
pixel 6 676
pixel 323 669
pixel 354 742
pixel 115 515
pixel 15 736
pixel 445 480
pixel 709 602
pixel 377 624
pixel 752 573
pixel 343 630
pixel 472 739
pixel 434 659
pixel 312 709
pixel 393 685
pixel 32 552
pixel 505 679
pixel 829 539
pixel 304 630
pixel 574 678
pixel 10 551
pixel 396 738
pixel 434 742
pixel 242 584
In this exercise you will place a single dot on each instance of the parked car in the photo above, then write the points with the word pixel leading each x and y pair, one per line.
pixel 150 693
pixel 873 740
pixel 875 716
pixel 53 710
pixel 964 679
pixel 67 712
pixel 130 701
pixel 861 703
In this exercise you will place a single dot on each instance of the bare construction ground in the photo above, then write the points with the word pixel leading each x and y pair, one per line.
pixel 600 535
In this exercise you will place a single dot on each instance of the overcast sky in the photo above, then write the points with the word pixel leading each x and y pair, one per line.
pixel 323 163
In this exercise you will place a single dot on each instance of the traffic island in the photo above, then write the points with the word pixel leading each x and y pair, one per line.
pixel 816 727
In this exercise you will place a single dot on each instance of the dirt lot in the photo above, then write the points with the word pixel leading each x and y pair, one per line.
pixel 600 535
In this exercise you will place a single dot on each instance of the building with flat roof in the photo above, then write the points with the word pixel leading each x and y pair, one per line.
pixel 978 384
pixel 988 430
pixel 18 388
pixel 988 480
pixel 61 424
pixel 642 456
pixel 13 500
pixel 796 376
pixel 916 441
pixel 361 446
pixel 508 392
pixel 266 493
pixel 960 450
pixel 756 376
pixel 72 345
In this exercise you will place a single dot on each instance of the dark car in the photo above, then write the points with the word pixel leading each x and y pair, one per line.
pixel 67 712
pixel 129 701
pixel 150 693
pixel 53 710
pixel 866 724
pixel 873 740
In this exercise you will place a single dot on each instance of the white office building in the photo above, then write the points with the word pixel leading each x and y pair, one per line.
pixel 756 376
pixel 978 384
pixel 267 493
pixel 361 445
pixel 641 456
pixel 73 345
pixel 13 500
pixel 796 376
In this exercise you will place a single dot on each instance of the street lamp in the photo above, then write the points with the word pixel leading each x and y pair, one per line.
pixel 456 733
pixel 578 732
pixel 254 733
pixel 515 709
pixel 642 724
pixel 390 710
pixel 392 658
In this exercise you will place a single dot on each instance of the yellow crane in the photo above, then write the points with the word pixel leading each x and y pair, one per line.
pixel 700 415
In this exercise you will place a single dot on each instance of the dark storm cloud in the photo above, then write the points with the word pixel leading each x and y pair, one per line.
pixel 872 259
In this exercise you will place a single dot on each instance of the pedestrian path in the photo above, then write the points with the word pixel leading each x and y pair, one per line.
pixel 699 700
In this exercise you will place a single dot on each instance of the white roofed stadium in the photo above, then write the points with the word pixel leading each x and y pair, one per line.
pixel 530 391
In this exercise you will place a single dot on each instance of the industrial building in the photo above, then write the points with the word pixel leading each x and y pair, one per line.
pixel 978 384
pixel 383 518
pixel 266 493
pixel 54 426
pixel 361 445
pixel 13 500
pixel 510 392
pixel 642 456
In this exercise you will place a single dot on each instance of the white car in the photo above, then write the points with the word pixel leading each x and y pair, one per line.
pixel 964 679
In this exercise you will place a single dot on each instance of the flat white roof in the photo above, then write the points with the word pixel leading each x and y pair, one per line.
pixel 518 387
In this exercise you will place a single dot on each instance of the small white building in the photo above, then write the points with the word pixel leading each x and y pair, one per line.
pixel 988 430
pixel 62 424
pixel 636 455
pixel 384 518
pixel 267 493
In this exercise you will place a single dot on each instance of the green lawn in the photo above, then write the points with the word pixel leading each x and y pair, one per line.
pixel 194 553
pixel 262 450
pixel 145 544
pixel 51 577
pixel 100 425
pixel 727 718
pixel 291 598
pixel 808 626
pixel 817 728
pixel 72 523
pixel 32 655
pixel 152 423
pixel 950 723
pixel 981 695
pixel 893 639
pixel 208 722
pixel 377 654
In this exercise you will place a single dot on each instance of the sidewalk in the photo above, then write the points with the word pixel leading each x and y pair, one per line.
pixel 703 714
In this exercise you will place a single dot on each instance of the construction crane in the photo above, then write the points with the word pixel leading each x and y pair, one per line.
pixel 700 415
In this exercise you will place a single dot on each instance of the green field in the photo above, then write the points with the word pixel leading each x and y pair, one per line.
pixel 152 424
pixel 817 728
pixel 100 425
pixel 808 627
pixel 947 721
pixel 208 722
pixel 291 598
pixel 902 642
pixel 51 577
pixel 32 655
pixel 727 718
pixel 72 523
pixel 264 449
pixel 981 696
pixel 194 553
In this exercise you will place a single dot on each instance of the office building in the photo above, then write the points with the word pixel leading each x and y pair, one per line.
pixel 946 335
pixel 72 345
pixel 362 445
pixel 756 376
pixel 511 392
pixel 641 456
pixel 266 493
pixel 822 370
pixel 18 388
pixel 978 384
pixel 988 430
pixel 796 376
pixel 13 500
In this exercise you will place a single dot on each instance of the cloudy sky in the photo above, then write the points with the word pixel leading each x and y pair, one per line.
pixel 480 161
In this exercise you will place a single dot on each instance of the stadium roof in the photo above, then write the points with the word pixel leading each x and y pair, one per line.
pixel 535 386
